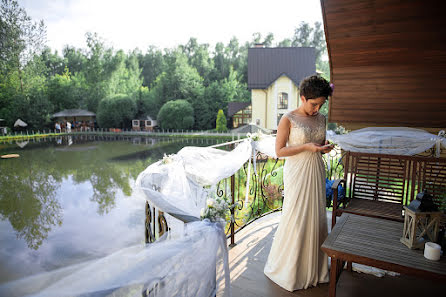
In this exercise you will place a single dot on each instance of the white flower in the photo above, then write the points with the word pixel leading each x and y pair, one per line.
pixel 215 210
pixel 255 136
pixel 167 159
pixel 210 203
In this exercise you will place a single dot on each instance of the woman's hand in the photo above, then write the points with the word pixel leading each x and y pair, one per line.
pixel 314 147
pixel 327 147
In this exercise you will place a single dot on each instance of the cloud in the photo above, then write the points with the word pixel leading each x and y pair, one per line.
pixel 139 23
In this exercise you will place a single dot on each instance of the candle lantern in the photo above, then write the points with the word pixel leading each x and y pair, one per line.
pixel 421 220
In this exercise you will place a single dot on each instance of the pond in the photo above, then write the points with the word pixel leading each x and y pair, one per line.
pixel 69 199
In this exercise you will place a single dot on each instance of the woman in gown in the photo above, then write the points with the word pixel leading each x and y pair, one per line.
pixel 296 260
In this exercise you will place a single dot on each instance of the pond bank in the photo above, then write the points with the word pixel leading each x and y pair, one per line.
pixel 103 132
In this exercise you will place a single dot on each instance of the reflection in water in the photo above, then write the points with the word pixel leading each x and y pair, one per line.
pixel 28 201
pixel 67 200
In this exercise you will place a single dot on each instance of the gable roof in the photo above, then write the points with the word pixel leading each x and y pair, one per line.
pixel 234 107
pixel 74 113
pixel 265 65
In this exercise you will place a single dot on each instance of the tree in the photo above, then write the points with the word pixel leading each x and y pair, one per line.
pixel 53 63
pixel 96 70
pixel 198 57
pixel 179 81
pixel 221 122
pixel 20 39
pixel 152 64
pixel 124 75
pixel 22 78
pixel 305 35
pixel 74 59
pixel 176 114
pixel 116 111
pixel 62 92
pixel 145 103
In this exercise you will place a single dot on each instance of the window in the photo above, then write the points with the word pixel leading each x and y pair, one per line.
pixel 282 102
pixel 135 123
pixel 148 123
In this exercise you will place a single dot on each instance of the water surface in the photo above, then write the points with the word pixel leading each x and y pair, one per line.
pixel 69 199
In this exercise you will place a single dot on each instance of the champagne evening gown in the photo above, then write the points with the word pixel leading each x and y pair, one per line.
pixel 296 260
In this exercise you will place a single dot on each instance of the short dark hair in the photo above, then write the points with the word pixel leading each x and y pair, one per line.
pixel 315 86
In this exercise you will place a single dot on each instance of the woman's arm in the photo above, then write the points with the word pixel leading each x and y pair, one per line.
pixel 282 150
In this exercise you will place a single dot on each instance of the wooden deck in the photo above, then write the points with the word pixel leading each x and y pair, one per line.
pixel 248 257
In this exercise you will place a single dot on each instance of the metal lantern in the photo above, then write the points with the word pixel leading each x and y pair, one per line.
pixel 421 220
pixel 423 202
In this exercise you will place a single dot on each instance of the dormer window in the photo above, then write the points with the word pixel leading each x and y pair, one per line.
pixel 282 102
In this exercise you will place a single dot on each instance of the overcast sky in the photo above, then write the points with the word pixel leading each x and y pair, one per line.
pixel 128 24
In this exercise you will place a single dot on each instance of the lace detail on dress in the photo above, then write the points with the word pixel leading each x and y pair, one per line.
pixel 306 129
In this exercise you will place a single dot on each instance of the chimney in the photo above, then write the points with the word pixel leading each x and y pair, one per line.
pixel 260 45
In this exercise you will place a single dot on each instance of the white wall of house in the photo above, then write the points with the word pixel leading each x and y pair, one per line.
pixel 265 101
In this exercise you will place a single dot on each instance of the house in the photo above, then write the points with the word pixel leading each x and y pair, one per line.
pixel 144 124
pixel 239 113
pixel 274 75
pixel 80 119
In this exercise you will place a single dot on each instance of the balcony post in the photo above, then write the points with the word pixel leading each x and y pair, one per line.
pixel 232 210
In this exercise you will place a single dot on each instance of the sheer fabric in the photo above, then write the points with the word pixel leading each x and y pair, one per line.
pixel 182 267
pixel 389 140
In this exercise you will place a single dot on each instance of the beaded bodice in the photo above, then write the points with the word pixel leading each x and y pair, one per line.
pixel 306 129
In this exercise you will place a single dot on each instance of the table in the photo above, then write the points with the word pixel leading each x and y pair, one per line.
pixel 376 242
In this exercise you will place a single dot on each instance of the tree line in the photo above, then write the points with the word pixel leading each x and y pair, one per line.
pixel 191 81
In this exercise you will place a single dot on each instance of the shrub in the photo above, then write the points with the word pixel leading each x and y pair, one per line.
pixel 116 111
pixel 176 114
pixel 221 121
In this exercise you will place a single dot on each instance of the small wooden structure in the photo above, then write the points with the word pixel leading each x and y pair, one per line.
pixel 144 124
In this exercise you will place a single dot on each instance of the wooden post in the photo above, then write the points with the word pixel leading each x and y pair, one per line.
pixel 333 277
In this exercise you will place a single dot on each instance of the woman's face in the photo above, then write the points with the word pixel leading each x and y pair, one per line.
pixel 312 106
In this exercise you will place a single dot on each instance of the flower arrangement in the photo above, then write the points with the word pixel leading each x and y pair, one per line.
pixel 215 210
pixel 255 136
pixel 167 159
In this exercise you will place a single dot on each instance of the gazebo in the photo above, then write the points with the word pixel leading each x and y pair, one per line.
pixel 80 119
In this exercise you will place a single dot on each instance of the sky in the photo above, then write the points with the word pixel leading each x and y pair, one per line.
pixel 130 24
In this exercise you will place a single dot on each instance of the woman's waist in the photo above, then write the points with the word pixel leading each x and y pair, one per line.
pixel 305 156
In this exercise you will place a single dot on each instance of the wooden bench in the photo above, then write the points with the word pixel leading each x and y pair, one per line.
pixel 378 185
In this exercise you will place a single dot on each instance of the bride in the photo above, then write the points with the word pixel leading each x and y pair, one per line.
pixel 296 260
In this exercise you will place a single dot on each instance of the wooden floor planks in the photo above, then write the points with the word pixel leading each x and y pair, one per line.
pixel 248 258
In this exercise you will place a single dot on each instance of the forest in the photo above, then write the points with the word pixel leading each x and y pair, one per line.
pixel 196 79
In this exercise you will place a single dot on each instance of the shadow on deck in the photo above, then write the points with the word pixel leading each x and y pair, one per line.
pixel 248 257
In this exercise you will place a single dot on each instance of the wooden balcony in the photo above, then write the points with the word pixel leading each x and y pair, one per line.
pixel 248 257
